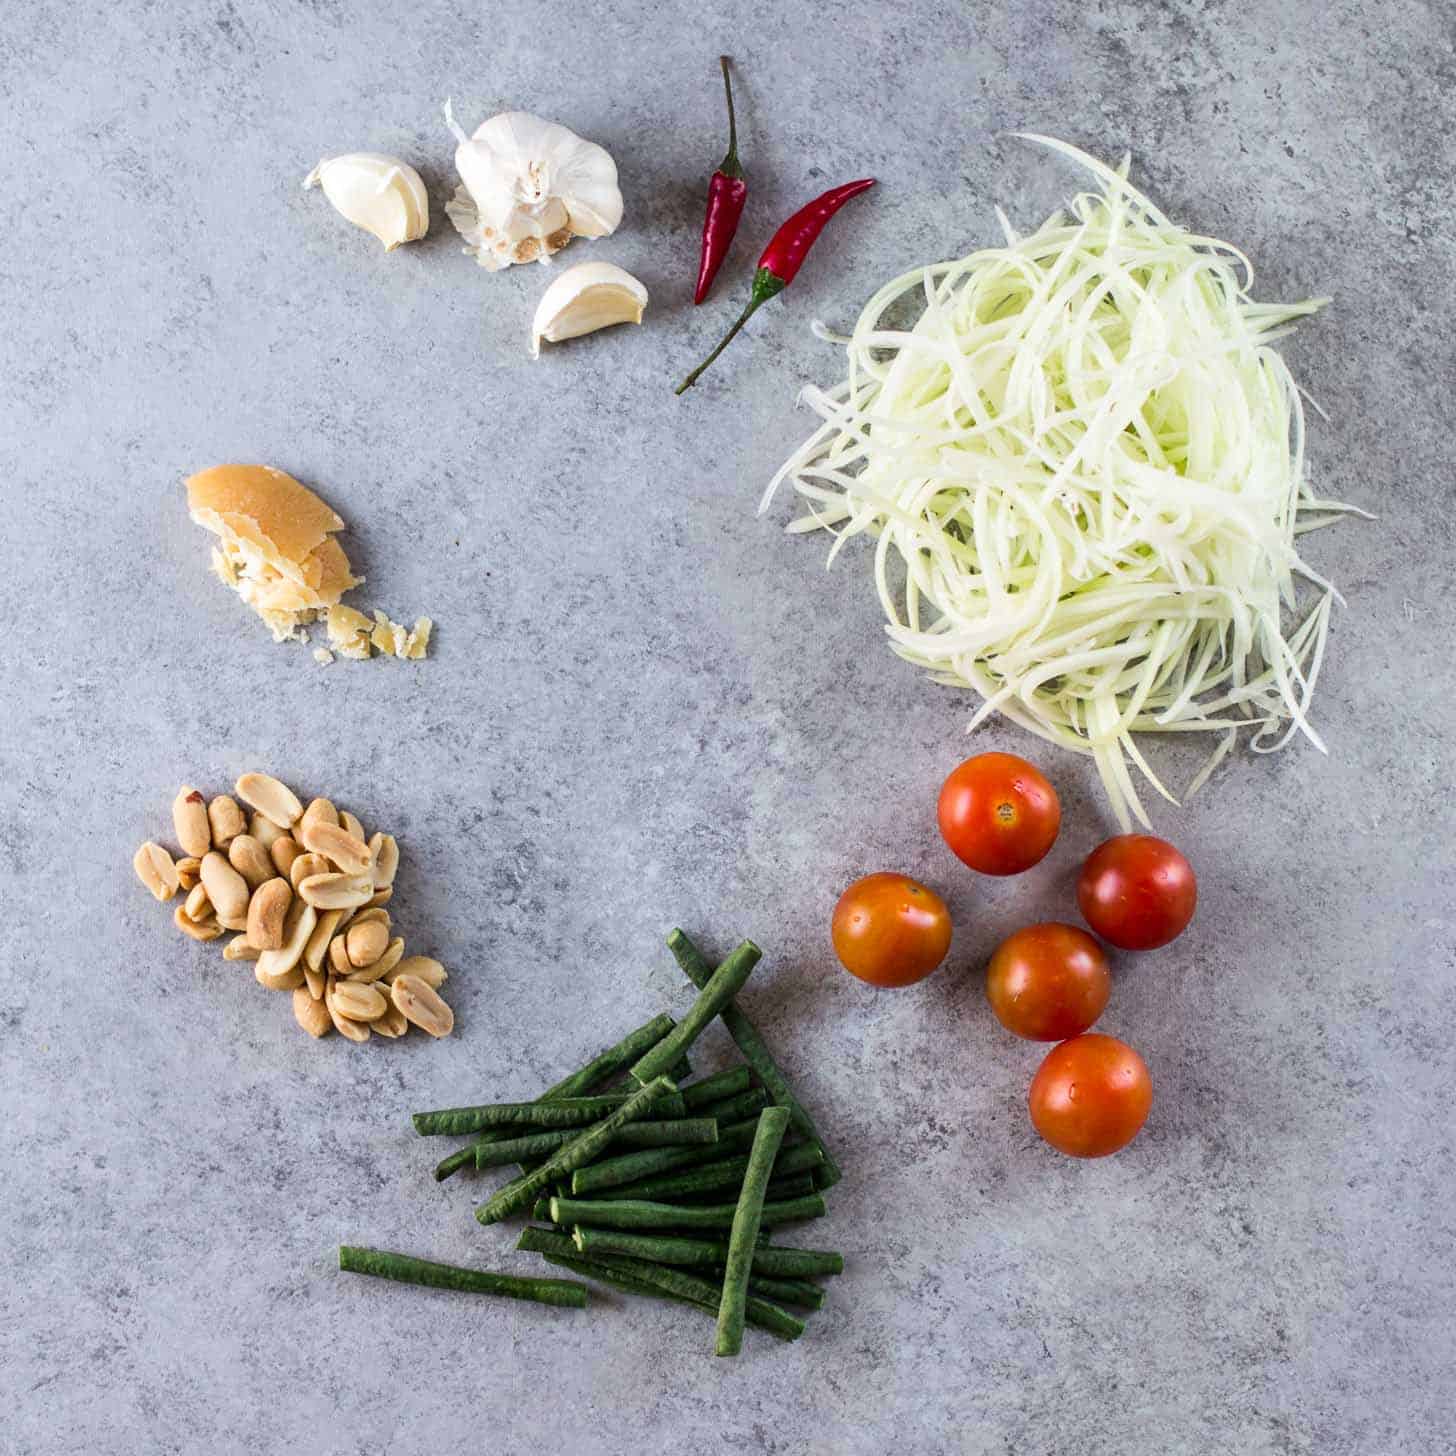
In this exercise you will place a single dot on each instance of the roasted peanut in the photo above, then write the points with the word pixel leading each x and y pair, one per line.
pixel 351 856
pixel 156 871
pixel 197 905
pixel 427 969
pixel 350 823
pixel 297 927
pixel 189 818
pixel 305 865
pixel 207 929
pixel 311 1013
pixel 366 943
pixel 358 1002
pixel 322 810
pixel 283 851
pixel 335 891
pixel 225 820
pixel 251 860
pixel 264 830
pixel 422 1005
pixel 240 948
pixel 339 961
pixel 272 799
pixel 384 851
pixel 267 912
pixel 345 1026
pixel 188 868
pixel 225 887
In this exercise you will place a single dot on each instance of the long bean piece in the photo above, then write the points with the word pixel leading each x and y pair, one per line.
pixel 408 1270
pixel 676 1132
pixel 639 1213
pixel 724 1173
pixel 670 1282
pixel 743 1237
pixel 772 1259
pixel 720 1085
pixel 601 1068
pixel 755 1052
pixel 716 993
pixel 737 1107
pixel 631 1167
pixel 787 1291
pixel 559 1112
pixel 580 1150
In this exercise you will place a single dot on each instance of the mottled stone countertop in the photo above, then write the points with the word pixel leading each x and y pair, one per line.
pixel 648 706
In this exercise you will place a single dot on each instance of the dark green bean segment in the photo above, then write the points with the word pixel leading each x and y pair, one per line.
pixel 735 1108
pixel 580 1150
pixel 605 1274
pixel 678 1132
pixel 408 1270
pixel 724 1173
pixel 602 1067
pixel 718 1086
pixel 635 1213
pixel 772 1259
pixel 788 1291
pixel 755 1052
pixel 743 1238
pixel 794 1185
pixel 630 1167
pixel 719 990
pixel 559 1112
pixel 668 1283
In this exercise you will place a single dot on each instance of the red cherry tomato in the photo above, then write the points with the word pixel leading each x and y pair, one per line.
pixel 890 930
pixel 998 813
pixel 1048 982
pixel 1090 1096
pixel 1137 891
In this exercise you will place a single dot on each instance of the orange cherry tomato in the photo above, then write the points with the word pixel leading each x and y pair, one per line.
pixel 1048 982
pixel 890 930
pixel 1090 1096
pixel 998 813
pixel 1137 891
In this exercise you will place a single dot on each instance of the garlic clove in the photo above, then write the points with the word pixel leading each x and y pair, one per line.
pixel 586 298
pixel 528 187
pixel 380 194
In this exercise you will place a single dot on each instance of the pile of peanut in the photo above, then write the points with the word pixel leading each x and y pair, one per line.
pixel 304 893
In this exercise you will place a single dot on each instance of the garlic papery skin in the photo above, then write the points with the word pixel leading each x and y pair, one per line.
pixel 380 194
pixel 586 298
pixel 528 187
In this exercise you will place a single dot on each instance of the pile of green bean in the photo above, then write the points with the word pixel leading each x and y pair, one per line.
pixel 663 1187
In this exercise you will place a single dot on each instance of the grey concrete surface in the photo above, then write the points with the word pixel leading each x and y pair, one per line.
pixel 649 707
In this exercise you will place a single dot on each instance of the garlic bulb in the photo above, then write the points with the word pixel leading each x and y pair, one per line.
pixel 529 186
pixel 586 298
pixel 380 194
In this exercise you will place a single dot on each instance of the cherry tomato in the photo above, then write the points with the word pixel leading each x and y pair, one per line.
pixel 1137 891
pixel 890 930
pixel 998 813
pixel 1090 1096
pixel 1048 982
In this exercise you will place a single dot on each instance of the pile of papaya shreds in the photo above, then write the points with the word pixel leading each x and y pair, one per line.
pixel 646 1180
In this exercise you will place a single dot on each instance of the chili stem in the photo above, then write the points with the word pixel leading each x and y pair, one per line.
pixel 384 1265
pixel 731 166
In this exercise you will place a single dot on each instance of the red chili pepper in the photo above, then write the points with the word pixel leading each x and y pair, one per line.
pixel 783 258
pixel 727 192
